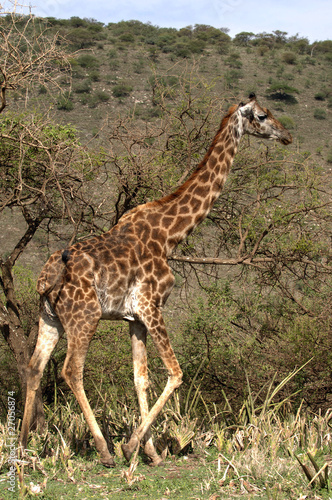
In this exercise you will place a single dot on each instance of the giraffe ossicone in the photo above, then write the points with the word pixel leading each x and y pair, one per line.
pixel 123 274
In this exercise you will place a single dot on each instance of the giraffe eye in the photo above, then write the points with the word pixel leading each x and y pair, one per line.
pixel 262 117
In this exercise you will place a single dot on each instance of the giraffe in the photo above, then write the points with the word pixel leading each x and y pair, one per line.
pixel 124 274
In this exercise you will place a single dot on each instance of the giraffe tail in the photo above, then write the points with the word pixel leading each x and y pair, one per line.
pixel 47 281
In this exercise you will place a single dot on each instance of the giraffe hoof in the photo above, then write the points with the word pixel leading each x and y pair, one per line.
pixel 157 463
pixel 107 462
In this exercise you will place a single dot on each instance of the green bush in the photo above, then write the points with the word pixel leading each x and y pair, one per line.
pixel 289 57
pixel 262 50
pixel 94 75
pixel 64 102
pixel 121 90
pixel 320 96
pixel 232 77
pixel 138 66
pixel 196 46
pixel 83 87
pixel 88 61
pixel 319 114
pixel 287 122
pixel 127 37
pixel 182 50
pixel 102 96
pixel 114 65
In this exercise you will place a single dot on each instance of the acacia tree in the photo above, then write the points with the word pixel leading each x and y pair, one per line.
pixel 29 53
pixel 46 180
pixel 43 167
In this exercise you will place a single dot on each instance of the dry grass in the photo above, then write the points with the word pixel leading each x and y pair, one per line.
pixel 274 455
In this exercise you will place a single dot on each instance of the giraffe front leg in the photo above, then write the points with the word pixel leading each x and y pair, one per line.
pixel 157 330
pixel 73 374
pixel 138 341
pixel 79 333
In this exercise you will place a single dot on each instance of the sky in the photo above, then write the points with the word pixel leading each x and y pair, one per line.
pixel 311 19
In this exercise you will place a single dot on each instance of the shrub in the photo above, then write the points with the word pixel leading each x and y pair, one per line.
pixel 233 60
pixel 127 37
pixel 93 100
pixel 287 122
pixel 83 87
pixel 94 76
pixel 121 90
pixel 138 66
pixel 320 96
pixel 262 50
pixel 81 38
pixel 232 77
pixel 289 57
pixel 88 61
pixel 112 54
pixel 182 50
pixel 114 65
pixel 64 102
pixel 320 114
pixel 102 96
pixel 196 46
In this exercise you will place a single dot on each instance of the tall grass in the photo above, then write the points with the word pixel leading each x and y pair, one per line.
pixel 262 449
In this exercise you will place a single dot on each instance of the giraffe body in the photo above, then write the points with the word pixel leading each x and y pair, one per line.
pixel 123 274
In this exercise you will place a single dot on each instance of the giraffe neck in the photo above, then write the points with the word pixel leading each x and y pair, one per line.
pixel 184 209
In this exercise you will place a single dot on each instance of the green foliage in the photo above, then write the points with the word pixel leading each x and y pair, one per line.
pixel 287 122
pixel 88 61
pixel 83 87
pixel 121 90
pixel 282 91
pixel 232 78
pixel 243 38
pixel 282 88
pixel 64 102
pixel 320 114
pixel 320 96
pixel 127 37
pixel 81 38
pixel 289 57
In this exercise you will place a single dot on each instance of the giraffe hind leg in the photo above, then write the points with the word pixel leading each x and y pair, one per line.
pixel 156 327
pixel 50 330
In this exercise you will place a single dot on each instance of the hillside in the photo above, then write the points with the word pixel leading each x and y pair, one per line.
pixel 96 120
pixel 113 68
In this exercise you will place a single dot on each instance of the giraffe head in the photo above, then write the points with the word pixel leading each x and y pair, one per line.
pixel 260 122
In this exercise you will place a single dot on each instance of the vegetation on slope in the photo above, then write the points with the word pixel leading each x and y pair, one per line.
pixel 146 102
